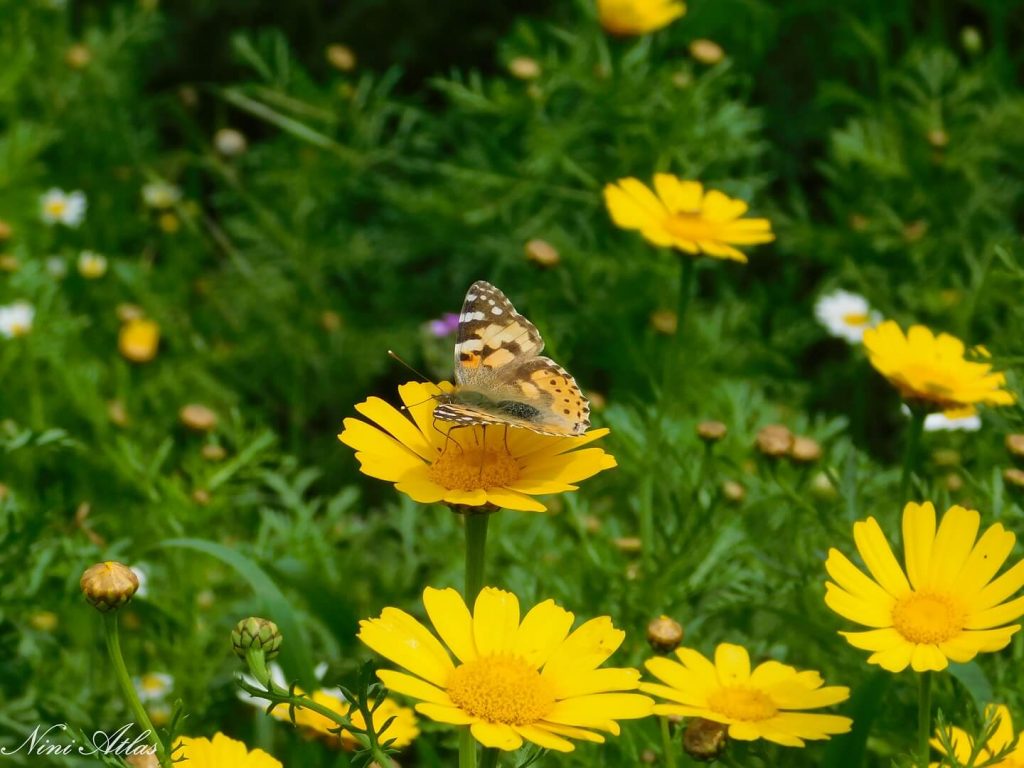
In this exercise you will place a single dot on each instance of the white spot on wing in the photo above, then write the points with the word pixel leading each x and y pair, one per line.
pixel 497 310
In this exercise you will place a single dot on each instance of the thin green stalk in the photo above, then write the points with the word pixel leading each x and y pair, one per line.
pixel 490 758
pixel 687 269
pixel 476 549
pixel 113 641
pixel 914 432
pixel 666 744
pixel 924 717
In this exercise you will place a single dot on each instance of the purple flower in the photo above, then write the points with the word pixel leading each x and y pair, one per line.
pixel 445 326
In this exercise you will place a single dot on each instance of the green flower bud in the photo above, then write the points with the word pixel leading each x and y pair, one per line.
pixel 256 634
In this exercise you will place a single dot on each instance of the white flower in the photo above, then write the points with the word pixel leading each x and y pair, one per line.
pixel 60 207
pixel 57 267
pixel 142 574
pixel 91 265
pixel 16 319
pixel 230 142
pixel 153 686
pixel 959 420
pixel 846 315
pixel 160 194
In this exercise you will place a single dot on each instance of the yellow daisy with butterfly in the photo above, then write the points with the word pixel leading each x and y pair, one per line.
pixel 513 426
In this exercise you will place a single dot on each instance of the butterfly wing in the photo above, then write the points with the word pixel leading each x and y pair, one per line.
pixel 500 377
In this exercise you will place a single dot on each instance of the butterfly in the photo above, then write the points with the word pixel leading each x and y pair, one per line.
pixel 501 377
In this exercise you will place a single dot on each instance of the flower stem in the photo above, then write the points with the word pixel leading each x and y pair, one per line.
pixel 910 451
pixel 924 717
pixel 666 744
pixel 476 548
pixel 490 759
pixel 685 291
pixel 113 641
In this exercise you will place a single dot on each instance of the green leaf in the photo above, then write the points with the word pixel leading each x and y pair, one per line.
pixel 295 658
pixel 973 678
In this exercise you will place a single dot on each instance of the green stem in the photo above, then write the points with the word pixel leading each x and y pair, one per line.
pixel 490 758
pixel 924 717
pixel 686 274
pixel 113 640
pixel 476 549
pixel 914 432
pixel 666 744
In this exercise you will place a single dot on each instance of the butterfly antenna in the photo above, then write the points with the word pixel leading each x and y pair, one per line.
pixel 393 356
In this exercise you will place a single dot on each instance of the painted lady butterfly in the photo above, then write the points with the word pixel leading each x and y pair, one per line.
pixel 500 377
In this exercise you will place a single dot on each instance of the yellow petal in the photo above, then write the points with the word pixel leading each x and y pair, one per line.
pixel 496 735
pixel 604 680
pixel 596 710
pixel 495 621
pixel 918 538
pixel 679 196
pixel 407 685
pixel 693 686
pixel 516 499
pixel 542 631
pixel 401 428
pixel 953 543
pixel 399 637
pixel 893 659
pixel 543 738
pixel 925 658
pixel 878 557
pixel 632 205
pixel 585 649
pixel 985 560
pixel 861 611
pixel 452 621
pixel 996 616
pixel 733 664
pixel 1001 588
pixel 853 580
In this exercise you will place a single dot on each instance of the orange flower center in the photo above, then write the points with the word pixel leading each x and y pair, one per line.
pixel 690 226
pixel 926 618
pixel 741 702
pixel 856 319
pixel 501 689
pixel 470 469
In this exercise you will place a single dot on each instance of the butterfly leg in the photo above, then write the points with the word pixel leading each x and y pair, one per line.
pixel 483 449
pixel 507 449
pixel 447 437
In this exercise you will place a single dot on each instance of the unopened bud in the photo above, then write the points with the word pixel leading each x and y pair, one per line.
pixel 5 231
pixel 821 486
pixel 214 452
pixel 78 56
pixel 954 482
pixel 1014 477
pixel 128 312
pixel 774 441
pixel 198 417
pixel 330 320
pixel 229 142
pixel 1015 445
pixel 542 253
pixel 938 138
pixel 711 431
pixel 664 634
pixel 148 760
pixel 915 230
pixel 107 586
pixel 256 634
pixel 971 40
pixel 705 740
pixel 665 321
pixel 628 544
pixel 805 450
pixel 734 492
pixel 341 57
pixel 524 68
pixel 706 51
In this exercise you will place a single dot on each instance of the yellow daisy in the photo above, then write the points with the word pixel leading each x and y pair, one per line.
pixel 138 340
pixel 945 607
pixel 514 679
pixel 432 462
pixel 932 370
pixel 764 703
pixel 684 216
pixel 220 752
pixel 402 730
pixel 638 17
pixel 963 743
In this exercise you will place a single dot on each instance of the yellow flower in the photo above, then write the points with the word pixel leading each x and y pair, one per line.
pixel 684 216
pixel 445 462
pixel 763 703
pixel 638 17
pixel 403 729
pixel 138 340
pixel 963 744
pixel 945 607
pixel 515 679
pixel 221 752
pixel 932 369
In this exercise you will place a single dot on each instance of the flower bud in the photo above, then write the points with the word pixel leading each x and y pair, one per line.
pixel 341 57
pixel 805 450
pixel 229 142
pixel 198 417
pixel 664 634
pixel 706 51
pixel 117 413
pixel 524 68
pixel 128 312
pixel 711 431
pixel 542 253
pixel 938 138
pixel 774 441
pixel 148 760
pixel 78 56
pixel 954 482
pixel 665 321
pixel 1015 445
pixel 256 634
pixel 915 230
pixel 946 457
pixel 5 231
pixel 107 586
pixel 734 492
pixel 822 488
pixel 330 321
pixel 628 544
pixel 705 740
pixel 44 621
pixel 9 263
pixel 214 452
pixel 1014 477
pixel 971 40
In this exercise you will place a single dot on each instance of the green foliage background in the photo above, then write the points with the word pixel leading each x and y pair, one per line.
pixel 380 195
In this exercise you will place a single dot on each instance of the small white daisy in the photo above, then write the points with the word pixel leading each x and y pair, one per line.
pixel 16 319
pixel 846 315
pixel 160 194
pixel 60 207
pixel 92 265
pixel 960 420
pixel 153 686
